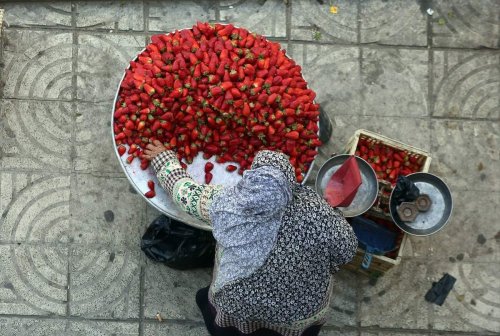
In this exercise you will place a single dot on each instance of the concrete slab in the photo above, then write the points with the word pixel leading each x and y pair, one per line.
pixel 169 328
pixel 37 64
pixel 466 84
pixel 110 15
pixel 344 303
pixel 396 300
pixel 46 14
pixel 172 293
pixel 466 24
pixel 262 17
pixel 101 63
pixel 466 154
pixel 33 279
pixel 115 217
pixel 313 21
pixel 394 82
pixel 335 74
pixel 60 327
pixel 34 209
pixel 167 16
pixel 472 305
pixel 105 282
pixel 36 141
pixel 32 326
pixel 93 143
pixel 470 235
pixel 393 22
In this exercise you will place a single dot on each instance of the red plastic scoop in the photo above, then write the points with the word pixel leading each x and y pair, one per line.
pixel 344 184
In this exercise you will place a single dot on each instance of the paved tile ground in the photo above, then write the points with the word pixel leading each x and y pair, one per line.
pixel 70 224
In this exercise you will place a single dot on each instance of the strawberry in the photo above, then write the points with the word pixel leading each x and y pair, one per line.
pixel 208 178
pixel 208 167
pixel 151 185
pixel 231 168
pixel 121 150
pixel 150 194
pixel 222 91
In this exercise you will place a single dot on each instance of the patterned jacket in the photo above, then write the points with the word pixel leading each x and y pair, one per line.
pixel 291 290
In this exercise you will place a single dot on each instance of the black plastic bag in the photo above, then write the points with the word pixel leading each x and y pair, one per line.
pixel 178 245
pixel 405 190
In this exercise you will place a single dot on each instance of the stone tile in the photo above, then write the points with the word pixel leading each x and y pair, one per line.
pixel 37 64
pixel 400 294
pixel 167 16
pixel 112 15
pixel 344 300
pixel 35 141
pixel 474 302
pixel 328 68
pixel 172 293
pixel 398 22
pixel 59 327
pixel 470 235
pixel 46 14
pixel 105 212
pixel 463 23
pixel 266 17
pixel 34 209
pixel 94 144
pixel 419 247
pixel 330 332
pixel 394 82
pixel 32 326
pixel 104 282
pixel 466 154
pixel 466 84
pixel 167 328
pixel 102 60
pixel 312 21
pixel 33 279
pixel 389 333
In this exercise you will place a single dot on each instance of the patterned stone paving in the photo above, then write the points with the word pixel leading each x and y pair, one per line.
pixel 70 225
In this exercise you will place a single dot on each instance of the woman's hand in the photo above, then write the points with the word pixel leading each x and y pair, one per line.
pixel 152 150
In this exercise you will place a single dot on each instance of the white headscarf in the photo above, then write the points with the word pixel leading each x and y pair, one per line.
pixel 246 218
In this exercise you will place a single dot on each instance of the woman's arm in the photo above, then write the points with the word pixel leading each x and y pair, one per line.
pixel 344 242
pixel 190 196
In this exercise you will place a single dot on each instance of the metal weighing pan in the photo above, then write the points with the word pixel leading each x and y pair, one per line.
pixel 437 216
pixel 367 192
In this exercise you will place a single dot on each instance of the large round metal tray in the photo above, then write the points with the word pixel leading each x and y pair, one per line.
pixel 437 216
pixel 162 202
pixel 367 192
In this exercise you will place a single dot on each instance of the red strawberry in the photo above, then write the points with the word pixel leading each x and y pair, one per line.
pixel 208 167
pixel 231 168
pixel 121 150
pixel 208 178
pixel 150 194
pixel 151 185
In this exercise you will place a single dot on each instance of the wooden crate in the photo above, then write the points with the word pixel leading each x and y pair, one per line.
pixel 353 143
pixel 381 264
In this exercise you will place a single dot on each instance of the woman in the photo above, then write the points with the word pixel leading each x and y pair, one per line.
pixel 278 245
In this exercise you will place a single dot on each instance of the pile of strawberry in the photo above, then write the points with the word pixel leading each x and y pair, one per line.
pixel 219 90
pixel 388 162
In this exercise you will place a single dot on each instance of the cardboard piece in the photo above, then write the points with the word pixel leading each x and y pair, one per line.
pixel 344 184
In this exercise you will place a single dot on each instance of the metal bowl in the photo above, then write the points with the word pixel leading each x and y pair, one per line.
pixel 367 192
pixel 162 202
pixel 436 217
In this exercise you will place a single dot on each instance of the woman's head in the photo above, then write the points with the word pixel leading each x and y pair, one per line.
pixel 277 160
